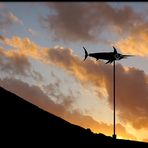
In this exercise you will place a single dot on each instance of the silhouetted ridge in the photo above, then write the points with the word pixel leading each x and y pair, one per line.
pixel 23 122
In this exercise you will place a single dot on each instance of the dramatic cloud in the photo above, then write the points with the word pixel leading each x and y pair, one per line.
pixel 86 21
pixel 7 18
pixel 132 84
pixel 132 90
pixel 36 96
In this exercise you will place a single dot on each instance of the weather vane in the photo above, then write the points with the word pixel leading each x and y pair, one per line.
pixel 111 57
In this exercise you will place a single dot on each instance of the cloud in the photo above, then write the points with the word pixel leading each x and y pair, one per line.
pixel 36 96
pixel 58 97
pixel 33 94
pixel 24 46
pixel 7 18
pixel 146 140
pixel 32 32
pixel 132 83
pixel 13 63
pixel 13 18
pixel 131 94
pixel 2 38
pixel 89 122
pixel 136 42
pixel 86 21
pixel 132 90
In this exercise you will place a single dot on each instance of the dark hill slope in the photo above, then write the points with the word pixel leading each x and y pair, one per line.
pixel 23 123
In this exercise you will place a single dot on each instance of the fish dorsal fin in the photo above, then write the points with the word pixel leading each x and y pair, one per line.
pixel 115 50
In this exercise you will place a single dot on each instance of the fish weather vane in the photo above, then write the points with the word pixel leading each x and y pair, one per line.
pixel 110 57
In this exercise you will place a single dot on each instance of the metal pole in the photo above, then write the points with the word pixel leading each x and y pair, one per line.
pixel 114 115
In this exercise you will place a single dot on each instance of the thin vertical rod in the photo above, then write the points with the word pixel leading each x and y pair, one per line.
pixel 114 135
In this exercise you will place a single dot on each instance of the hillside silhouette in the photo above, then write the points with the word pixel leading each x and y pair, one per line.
pixel 25 123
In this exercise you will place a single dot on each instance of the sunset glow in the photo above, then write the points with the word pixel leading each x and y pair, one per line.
pixel 41 60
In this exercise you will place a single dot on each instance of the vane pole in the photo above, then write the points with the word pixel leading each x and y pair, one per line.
pixel 114 115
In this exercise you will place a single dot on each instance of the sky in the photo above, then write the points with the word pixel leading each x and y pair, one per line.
pixel 41 60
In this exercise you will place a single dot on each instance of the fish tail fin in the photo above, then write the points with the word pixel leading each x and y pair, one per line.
pixel 86 53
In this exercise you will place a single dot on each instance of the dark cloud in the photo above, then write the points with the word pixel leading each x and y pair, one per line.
pixel 83 21
pixel 89 22
pixel 131 96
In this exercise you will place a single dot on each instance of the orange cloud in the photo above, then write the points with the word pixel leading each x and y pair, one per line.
pixel 146 140
pixel 132 86
pixel 24 47
pixel 136 43
pixel 13 63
